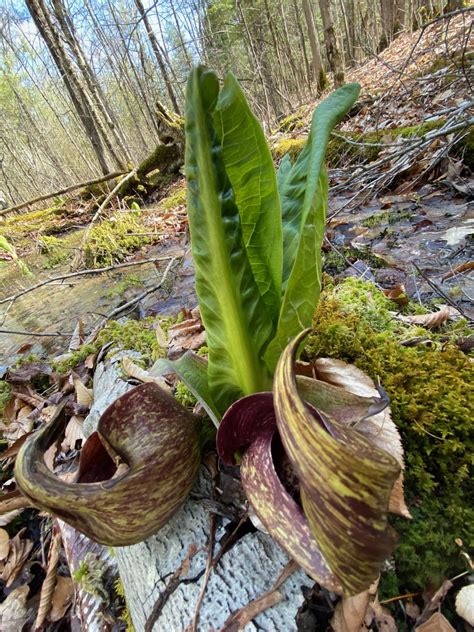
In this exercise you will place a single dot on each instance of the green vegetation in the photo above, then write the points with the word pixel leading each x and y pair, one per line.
pixel 431 400
pixel 90 574
pixel 176 197
pixel 387 217
pixel 340 151
pixel 54 249
pixel 5 394
pixel 128 281
pixel 112 240
pixel 125 616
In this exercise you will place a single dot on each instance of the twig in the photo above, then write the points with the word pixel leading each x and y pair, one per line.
pixel 209 567
pixel 69 275
pixel 174 582
pixel 121 308
pixel 98 213
pixel 440 292
pixel 32 333
pixel 73 187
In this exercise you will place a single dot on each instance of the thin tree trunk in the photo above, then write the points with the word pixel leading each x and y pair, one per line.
pixel 159 58
pixel 334 56
pixel 316 61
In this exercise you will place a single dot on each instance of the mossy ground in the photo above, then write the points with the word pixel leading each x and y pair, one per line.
pixel 432 403
pixel 348 147
pixel 112 240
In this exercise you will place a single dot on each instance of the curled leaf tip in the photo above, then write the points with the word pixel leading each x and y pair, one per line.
pixel 148 431
pixel 346 482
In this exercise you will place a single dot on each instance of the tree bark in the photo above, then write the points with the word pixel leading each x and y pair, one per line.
pixel 159 58
pixel 316 61
pixel 334 56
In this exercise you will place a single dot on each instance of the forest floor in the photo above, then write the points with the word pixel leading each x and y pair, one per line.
pixel 400 217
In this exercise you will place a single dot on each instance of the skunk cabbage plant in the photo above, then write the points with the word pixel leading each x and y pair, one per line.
pixel 256 243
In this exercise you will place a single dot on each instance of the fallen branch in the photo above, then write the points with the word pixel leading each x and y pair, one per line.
pixel 70 275
pixel 78 258
pixel 73 187
pixel 33 333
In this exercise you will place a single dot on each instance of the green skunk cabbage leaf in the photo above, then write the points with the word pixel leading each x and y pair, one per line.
pixel 304 201
pixel 234 314
pixel 283 172
pixel 157 440
pixel 249 166
pixel 345 482
pixel 192 370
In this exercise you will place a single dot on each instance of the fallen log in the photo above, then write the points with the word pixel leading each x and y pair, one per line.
pixel 73 187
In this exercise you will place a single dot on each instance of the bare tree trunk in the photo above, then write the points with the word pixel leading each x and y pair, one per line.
pixel 42 19
pixel 316 61
pixel 393 16
pixel 334 56
pixel 159 57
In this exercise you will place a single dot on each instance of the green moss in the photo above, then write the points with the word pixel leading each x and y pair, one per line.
pixel 291 146
pixel 337 262
pixel 54 249
pixel 292 122
pixel 184 395
pixel 90 574
pixel 38 222
pixel 387 217
pixel 112 240
pixel 465 148
pixel 125 616
pixel 133 335
pixel 5 394
pixel 128 281
pixel 75 358
pixel 176 197
pixel 431 399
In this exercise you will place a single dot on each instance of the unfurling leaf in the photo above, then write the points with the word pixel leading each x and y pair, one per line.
pixel 345 482
pixel 157 440
pixel 340 535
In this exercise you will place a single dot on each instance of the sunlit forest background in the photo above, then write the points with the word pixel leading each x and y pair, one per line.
pixel 80 79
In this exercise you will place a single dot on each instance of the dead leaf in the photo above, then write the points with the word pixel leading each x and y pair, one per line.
pixel 73 433
pixel 77 338
pixel 50 455
pixel 6 518
pixel 25 347
pixel 435 601
pixel 84 395
pixel 14 448
pixel 382 617
pixel 62 598
pixel 462 267
pixel 433 319
pixel 13 611
pixel 412 609
pixel 161 337
pixel 4 544
pixel 465 603
pixel 436 623
pixel 17 556
pixel 354 614
pixel 239 619
pixel 89 362
pixel 12 502
pixel 397 294
pixel 379 428
pixel 135 371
